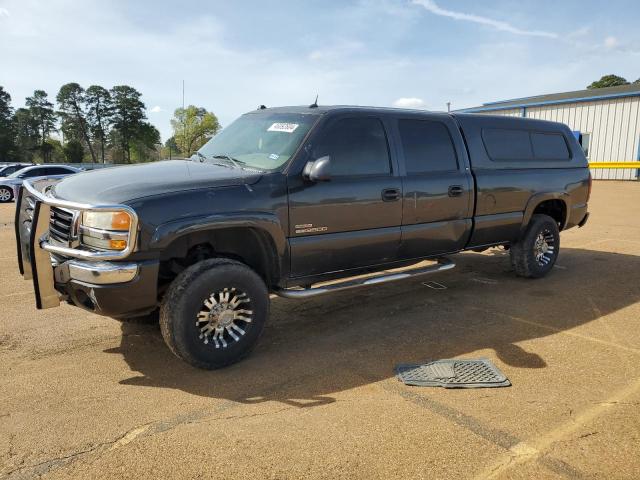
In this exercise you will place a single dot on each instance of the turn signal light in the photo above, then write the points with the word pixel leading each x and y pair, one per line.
pixel 117 244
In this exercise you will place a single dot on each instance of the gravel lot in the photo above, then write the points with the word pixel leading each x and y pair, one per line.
pixel 84 396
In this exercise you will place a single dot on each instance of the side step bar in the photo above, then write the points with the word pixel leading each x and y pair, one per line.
pixel 443 264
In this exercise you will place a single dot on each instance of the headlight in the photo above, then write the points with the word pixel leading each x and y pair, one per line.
pixel 105 230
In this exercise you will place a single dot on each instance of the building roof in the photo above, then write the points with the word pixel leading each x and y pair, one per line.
pixel 589 95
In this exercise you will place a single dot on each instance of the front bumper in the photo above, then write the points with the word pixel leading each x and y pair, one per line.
pixel 113 288
pixel 134 297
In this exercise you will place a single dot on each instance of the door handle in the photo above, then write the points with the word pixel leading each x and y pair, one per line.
pixel 390 194
pixel 455 190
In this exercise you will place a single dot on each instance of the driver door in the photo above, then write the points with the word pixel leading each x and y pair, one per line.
pixel 353 219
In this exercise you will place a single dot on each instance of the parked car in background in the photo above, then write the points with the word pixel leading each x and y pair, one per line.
pixel 9 168
pixel 9 185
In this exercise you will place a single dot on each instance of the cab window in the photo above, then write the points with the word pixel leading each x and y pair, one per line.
pixel 357 146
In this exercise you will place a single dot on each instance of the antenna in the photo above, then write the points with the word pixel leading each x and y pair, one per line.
pixel 315 103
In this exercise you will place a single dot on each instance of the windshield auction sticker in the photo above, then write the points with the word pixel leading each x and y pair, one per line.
pixel 283 127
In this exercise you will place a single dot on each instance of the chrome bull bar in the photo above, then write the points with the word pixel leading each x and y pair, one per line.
pixel 31 225
pixel 33 211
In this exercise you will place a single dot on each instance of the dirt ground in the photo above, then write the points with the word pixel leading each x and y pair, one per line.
pixel 82 396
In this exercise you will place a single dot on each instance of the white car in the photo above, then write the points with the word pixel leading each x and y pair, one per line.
pixel 9 185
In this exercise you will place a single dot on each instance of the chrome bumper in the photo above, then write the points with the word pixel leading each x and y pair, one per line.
pixel 95 273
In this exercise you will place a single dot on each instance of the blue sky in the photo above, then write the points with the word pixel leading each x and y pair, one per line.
pixel 236 55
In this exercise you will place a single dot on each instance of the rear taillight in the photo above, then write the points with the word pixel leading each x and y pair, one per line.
pixel 590 184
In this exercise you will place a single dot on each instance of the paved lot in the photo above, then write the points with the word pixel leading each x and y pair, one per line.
pixel 87 397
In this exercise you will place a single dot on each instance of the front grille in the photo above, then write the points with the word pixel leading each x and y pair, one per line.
pixel 61 224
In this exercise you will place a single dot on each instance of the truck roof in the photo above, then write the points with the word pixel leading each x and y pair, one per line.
pixel 320 109
pixel 476 118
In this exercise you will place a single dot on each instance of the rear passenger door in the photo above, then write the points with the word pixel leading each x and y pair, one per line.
pixel 437 205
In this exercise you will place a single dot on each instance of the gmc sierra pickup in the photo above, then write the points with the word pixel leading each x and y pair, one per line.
pixel 286 198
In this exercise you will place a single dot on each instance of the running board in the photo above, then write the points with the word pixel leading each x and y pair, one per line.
pixel 443 264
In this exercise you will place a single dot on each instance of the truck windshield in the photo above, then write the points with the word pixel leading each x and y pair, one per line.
pixel 261 141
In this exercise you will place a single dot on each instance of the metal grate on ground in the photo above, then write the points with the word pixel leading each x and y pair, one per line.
pixel 453 374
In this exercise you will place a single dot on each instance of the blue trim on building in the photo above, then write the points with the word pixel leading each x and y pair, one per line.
pixel 549 102
pixel 523 112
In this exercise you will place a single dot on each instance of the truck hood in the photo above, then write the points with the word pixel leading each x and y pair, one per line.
pixel 126 183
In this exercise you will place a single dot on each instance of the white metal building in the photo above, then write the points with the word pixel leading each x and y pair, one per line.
pixel 606 121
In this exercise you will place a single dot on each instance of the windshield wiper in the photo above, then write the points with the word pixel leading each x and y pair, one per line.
pixel 234 161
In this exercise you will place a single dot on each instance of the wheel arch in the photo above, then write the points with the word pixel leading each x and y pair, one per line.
pixel 554 204
pixel 256 240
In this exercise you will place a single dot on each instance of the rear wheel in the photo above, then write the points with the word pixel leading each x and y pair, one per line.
pixel 537 251
pixel 6 195
pixel 214 312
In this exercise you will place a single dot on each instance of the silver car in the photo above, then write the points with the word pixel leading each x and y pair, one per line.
pixel 9 185
pixel 9 168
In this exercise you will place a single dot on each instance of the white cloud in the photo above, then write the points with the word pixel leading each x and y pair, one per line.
pixel 409 102
pixel 611 42
pixel 580 32
pixel 4 12
pixel 432 7
pixel 156 109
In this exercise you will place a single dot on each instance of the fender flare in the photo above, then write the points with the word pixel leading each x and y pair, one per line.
pixel 268 224
pixel 537 199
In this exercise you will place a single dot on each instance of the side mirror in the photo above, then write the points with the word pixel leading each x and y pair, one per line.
pixel 318 170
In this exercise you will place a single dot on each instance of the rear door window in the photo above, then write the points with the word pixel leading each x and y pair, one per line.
pixel 357 146
pixel 549 146
pixel 427 146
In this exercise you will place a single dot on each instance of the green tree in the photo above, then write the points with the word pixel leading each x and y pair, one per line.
pixel 71 99
pixel 172 144
pixel 57 150
pixel 74 151
pixel 170 149
pixel 128 116
pixel 145 143
pixel 41 110
pixel 192 127
pixel 7 133
pixel 608 81
pixel 25 127
pixel 99 114
pixel 637 82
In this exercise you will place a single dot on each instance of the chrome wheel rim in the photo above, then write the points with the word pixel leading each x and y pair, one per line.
pixel 5 195
pixel 224 317
pixel 544 247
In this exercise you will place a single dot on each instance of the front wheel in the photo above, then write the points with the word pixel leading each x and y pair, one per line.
pixel 534 255
pixel 214 312
pixel 6 195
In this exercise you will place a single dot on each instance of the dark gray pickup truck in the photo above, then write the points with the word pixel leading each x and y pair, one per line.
pixel 284 199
